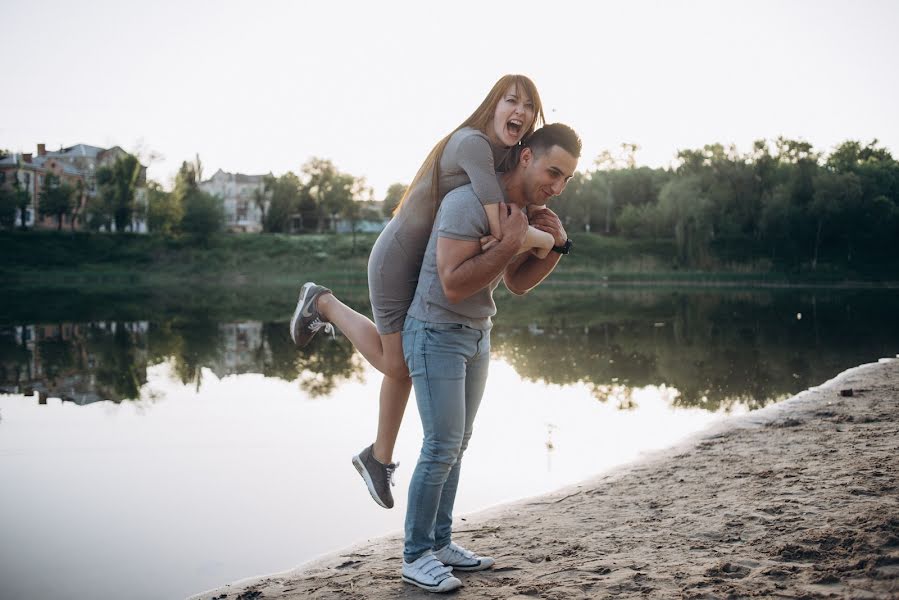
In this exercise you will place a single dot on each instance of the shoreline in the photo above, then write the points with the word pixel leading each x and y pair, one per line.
pixel 798 499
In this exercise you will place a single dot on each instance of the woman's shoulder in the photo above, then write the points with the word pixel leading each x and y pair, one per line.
pixel 468 141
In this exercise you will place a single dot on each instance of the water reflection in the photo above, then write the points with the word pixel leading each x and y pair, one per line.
pixel 714 349
pixel 234 461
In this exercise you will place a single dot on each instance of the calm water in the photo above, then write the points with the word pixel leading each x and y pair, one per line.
pixel 158 443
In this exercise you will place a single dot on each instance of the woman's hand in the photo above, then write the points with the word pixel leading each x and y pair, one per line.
pixel 546 220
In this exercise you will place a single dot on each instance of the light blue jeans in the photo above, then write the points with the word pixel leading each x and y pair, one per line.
pixel 448 364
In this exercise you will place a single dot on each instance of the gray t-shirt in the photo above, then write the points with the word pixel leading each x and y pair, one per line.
pixel 461 217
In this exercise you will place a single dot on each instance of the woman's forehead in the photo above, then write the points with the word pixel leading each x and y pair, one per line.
pixel 515 90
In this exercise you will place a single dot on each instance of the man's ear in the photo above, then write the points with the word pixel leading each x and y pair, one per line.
pixel 526 156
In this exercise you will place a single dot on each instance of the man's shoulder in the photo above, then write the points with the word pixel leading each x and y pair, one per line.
pixel 462 193
pixel 461 212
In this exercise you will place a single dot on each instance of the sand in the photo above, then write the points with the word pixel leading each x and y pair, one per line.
pixel 798 500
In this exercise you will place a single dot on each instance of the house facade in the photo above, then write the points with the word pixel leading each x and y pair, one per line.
pixel 239 194
pixel 28 173
pixel 76 166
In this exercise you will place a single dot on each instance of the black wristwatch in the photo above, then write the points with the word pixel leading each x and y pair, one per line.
pixel 564 248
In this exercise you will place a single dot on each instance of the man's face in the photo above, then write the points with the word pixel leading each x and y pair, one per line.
pixel 547 174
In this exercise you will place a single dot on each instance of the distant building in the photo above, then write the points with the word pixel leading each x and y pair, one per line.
pixel 26 172
pixel 76 166
pixel 371 219
pixel 238 193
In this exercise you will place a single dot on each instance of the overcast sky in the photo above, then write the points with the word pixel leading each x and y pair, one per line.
pixel 262 86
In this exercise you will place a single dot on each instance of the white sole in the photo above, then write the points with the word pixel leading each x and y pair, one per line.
pixel 469 569
pixel 431 588
pixel 357 462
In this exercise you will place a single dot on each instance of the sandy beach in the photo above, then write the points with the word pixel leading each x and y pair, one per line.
pixel 797 500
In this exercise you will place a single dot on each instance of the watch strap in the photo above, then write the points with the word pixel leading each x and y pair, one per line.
pixel 564 248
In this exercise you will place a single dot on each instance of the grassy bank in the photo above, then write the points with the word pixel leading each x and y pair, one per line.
pixel 61 259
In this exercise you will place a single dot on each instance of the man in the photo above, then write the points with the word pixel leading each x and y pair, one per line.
pixel 446 337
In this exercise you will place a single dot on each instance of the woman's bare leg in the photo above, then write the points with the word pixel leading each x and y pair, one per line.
pixel 385 353
pixel 392 404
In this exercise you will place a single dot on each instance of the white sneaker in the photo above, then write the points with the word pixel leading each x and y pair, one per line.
pixel 430 574
pixel 461 559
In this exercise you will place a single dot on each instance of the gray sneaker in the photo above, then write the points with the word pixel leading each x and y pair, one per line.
pixel 430 574
pixel 378 477
pixel 460 559
pixel 306 320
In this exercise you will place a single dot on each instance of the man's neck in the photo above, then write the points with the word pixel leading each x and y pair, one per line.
pixel 514 190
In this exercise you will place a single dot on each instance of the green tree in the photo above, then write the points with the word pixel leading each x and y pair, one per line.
pixel 685 209
pixel 22 199
pixel 164 211
pixel 284 202
pixel 7 207
pixel 203 213
pixel 836 195
pixel 261 196
pixel 57 199
pixel 117 184
pixel 329 190
pixel 395 193
pixel 353 211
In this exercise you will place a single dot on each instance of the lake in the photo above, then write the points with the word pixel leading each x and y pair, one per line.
pixel 157 443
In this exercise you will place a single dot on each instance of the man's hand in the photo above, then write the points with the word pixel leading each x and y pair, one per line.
pixel 546 220
pixel 514 225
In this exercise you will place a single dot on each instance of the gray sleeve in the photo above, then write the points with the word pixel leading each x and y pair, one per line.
pixel 461 217
pixel 476 159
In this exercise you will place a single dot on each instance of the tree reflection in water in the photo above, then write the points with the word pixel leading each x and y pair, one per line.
pixel 709 349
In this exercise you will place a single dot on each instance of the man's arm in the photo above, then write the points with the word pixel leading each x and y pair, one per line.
pixel 464 269
pixel 526 272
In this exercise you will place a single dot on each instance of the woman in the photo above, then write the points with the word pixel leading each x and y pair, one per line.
pixel 469 154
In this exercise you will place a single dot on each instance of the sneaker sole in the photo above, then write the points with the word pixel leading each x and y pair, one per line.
pixel 357 462
pixel 301 299
pixel 479 567
pixel 434 588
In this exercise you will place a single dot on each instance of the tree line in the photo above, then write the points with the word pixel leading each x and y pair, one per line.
pixel 782 202
pixel 309 202
pixel 789 204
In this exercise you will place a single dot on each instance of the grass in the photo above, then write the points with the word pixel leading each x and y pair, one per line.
pixel 64 259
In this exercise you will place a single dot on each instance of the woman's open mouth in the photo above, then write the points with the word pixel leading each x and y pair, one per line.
pixel 514 127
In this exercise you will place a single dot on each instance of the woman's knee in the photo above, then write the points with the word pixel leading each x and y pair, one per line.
pixel 396 368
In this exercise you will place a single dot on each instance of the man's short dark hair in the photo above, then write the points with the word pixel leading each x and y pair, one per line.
pixel 554 134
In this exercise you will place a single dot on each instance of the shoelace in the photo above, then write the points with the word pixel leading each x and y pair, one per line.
pixel 390 469
pixel 317 324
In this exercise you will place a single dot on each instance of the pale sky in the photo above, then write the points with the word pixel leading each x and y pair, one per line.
pixel 263 86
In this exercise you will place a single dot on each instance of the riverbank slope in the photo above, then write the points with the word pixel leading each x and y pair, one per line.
pixel 797 500
pixel 66 260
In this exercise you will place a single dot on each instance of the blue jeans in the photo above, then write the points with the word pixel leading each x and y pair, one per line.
pixel 448 364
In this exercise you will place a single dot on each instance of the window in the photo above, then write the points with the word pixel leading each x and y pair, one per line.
pixel 242 210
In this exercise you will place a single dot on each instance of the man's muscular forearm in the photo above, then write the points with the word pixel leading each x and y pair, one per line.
pixel 527 271
pixel 476 272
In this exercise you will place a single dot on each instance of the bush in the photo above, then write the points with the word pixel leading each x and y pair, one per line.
pixel 203 214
